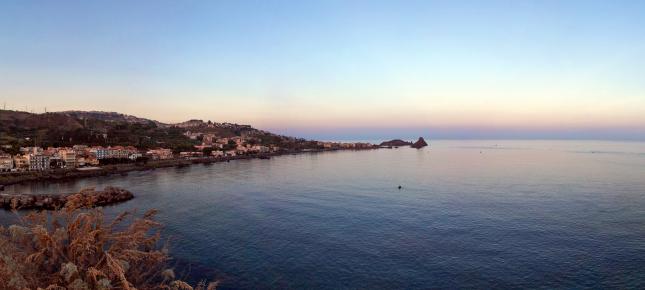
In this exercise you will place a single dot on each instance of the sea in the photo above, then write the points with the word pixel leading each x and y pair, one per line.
pixel 458 214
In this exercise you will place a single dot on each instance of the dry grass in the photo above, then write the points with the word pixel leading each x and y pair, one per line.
pixel 76 248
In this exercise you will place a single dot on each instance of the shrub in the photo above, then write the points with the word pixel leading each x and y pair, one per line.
pixel 76 248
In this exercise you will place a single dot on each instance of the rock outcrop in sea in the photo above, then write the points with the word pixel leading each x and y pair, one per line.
pixel 395 142
pixel 419 144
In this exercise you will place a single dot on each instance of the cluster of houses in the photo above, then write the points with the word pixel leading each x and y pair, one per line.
pixel 248 144
pixel 342 145
pixel 40 159
pixel 226 147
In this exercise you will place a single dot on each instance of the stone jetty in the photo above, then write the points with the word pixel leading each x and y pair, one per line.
pixel 109 195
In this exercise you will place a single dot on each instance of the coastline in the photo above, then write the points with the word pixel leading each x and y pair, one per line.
pixel 72 174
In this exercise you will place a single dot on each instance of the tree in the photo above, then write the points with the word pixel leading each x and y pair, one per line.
pixel 207 151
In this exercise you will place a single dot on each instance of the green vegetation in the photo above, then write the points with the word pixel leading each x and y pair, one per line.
pixel 60 129
pixel 207 151
pixel 65 129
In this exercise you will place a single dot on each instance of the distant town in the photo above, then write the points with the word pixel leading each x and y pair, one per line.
pixel 83 156
pixel 114 139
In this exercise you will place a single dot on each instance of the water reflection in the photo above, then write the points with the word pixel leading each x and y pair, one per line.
pixel 471 214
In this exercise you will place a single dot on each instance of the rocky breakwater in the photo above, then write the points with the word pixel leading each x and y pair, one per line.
pixel 84 198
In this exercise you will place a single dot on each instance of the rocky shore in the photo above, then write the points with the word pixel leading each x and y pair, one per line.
pixel 88 197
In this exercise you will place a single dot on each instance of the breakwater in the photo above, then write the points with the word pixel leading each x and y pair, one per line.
pixel 85 198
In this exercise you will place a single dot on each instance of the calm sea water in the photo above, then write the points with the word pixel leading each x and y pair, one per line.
pixel 471 214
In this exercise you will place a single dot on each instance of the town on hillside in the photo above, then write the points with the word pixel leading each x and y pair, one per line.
pixel 98 147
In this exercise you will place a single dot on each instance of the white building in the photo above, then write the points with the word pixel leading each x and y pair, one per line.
pixel 100 152
pixel 134 156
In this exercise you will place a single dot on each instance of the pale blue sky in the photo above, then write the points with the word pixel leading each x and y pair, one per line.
pixel 337 68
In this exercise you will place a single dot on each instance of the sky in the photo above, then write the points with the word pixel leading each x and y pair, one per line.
pixel 337 69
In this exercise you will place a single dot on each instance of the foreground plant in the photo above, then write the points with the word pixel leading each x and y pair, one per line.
pixel 75 248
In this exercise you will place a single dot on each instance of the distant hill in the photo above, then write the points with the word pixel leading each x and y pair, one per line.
pixel 110 128
pixel 109 117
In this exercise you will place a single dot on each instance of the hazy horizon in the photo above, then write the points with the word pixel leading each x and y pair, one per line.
pixel 338 69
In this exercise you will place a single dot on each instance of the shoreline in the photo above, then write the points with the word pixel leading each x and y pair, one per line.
pixel 13 178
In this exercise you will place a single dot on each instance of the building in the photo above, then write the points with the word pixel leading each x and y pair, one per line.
pixel 56 162
pixel 21 162
pixel 260 149
pixel 135 156
pixel 38 162
pixel 100 152
pixel 69 157
pixel 191 154
pixel 81 150
pixel 92 161
pixel 6 162
pixel 31 150
pixel 192 135
pixel 160 154
pixel 208 139
pixel 118 152
pixel 241 150
pixel 80 147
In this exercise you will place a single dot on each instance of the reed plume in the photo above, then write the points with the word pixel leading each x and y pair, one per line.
pixel 75 247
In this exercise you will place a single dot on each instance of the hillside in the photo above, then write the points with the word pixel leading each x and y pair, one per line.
pixel 109 128
pixel 110 117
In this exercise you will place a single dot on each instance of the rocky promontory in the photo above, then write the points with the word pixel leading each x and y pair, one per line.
pixel 395 143
pixel 419 144
pixel 84 198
